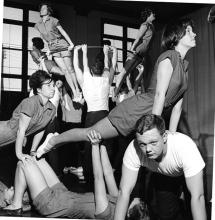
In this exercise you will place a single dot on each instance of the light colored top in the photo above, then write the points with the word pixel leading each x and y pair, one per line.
pixel 182 157
pixel 96 91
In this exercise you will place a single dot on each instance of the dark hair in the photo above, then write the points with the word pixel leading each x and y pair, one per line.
pixel 50 10
pixel 37 79
pixel 173 32
pixel 138 212
pixel 98 67
pixel 106 42
pixel 148 122
pixel 38 43
pixel 145 14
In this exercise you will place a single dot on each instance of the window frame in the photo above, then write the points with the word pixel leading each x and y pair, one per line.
pixel 25 24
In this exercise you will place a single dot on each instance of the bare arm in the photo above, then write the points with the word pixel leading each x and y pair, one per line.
pixel 36 140
pixel 175 115
pixel 114 62
pixel 128 180
pixel 101 200
pixel 108 172
pixel 85 58
pixel 78 71
pixel 65 35
pixel 140 33
pixel 164 74
pixel 24 121
pixel 195 186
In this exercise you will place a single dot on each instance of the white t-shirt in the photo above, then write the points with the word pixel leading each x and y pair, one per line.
pixel 96 92
pixel 182 157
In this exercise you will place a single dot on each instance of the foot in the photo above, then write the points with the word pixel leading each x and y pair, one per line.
pixel 46 146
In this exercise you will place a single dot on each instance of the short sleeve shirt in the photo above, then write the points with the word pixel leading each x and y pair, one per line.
pixel 48 29
pixel 33 107
pixel 182 157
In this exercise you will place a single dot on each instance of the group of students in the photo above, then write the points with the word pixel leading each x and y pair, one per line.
pixel 166 153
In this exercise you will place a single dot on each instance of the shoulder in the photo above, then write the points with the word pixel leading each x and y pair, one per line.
pixel 54 20
pixel 172 55
pixel 131 159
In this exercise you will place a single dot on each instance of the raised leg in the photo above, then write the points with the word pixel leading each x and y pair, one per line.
pixel 60 62
pixel 104 127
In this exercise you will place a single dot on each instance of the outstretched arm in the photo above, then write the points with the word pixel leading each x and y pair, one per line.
pixel 78 71
pixel 24 121
pixel 195 186
pixel 36 141
pixel 101 200
pixel 85 58
pixel 175 115
pixel 128 180
pixel 164 74
pixel 108 172
pixel 66 36
pixel 114 63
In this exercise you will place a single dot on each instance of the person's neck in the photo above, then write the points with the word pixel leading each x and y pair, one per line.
pixel 182 51
pixel 45 17
pixel 44 99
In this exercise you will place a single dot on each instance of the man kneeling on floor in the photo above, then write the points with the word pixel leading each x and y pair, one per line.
pixel 169 154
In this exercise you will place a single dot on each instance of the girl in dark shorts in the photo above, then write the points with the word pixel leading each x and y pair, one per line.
pixel 163 96
pixel 59 44
pixel 52 199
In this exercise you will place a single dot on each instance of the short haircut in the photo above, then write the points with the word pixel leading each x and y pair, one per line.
pixel 148 122
pixel 106 42
pixel 138 212
pixel 173 32
pixel 145 14
pixel 38 43
pixel 98 67
pixel 48 4
pixel 37 79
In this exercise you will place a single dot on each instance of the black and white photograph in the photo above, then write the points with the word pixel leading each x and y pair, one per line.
pixel 107 109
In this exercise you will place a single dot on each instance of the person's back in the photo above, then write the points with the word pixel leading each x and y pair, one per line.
pixel 96 92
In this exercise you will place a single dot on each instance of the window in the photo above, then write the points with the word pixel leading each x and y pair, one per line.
pixel 121 36
pixel 18 30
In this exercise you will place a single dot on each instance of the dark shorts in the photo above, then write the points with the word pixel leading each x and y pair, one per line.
pixel 54 202
pixel 58 201
pixel 59 48
pixel 125 115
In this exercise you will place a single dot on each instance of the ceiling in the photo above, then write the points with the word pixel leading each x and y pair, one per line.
pixel 164 10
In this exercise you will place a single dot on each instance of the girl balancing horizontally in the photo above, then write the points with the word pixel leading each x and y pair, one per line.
pixel 164 94
pixel 31 116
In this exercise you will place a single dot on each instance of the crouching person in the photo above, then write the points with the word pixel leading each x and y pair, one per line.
pixel 170 154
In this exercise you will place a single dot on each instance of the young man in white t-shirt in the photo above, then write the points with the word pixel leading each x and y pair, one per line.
pixel 166 153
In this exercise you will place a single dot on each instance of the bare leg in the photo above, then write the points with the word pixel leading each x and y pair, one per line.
pixel 48 173
pixel 108 172
pixel 104 127
pixel 68 76
pixel 20 187
pixel 69 65
pixel 57 71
